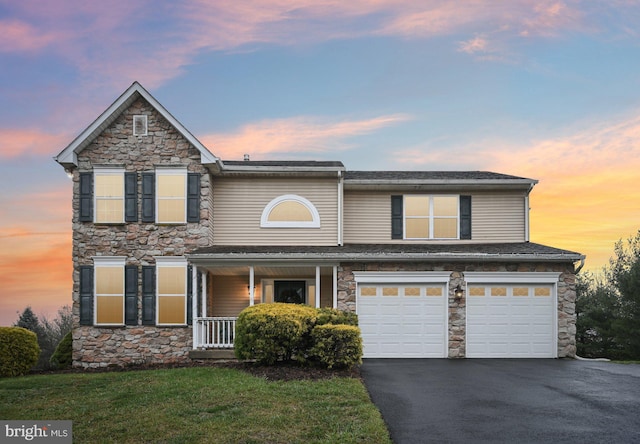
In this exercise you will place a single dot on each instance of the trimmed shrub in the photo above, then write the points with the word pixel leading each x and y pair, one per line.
pixel 62 356
pixel 336 345
pixel 269 333
pixel 19 351
pixel 336 317
pixel 274 332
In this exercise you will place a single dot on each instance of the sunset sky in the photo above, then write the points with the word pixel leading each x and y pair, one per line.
pixel 543 89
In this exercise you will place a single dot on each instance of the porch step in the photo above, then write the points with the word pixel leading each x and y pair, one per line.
pixel 218 355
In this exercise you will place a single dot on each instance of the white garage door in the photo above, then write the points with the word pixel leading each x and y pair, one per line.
pixel 510 321
pixel 403 320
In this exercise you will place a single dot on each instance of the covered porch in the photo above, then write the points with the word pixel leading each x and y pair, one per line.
pixel 224 289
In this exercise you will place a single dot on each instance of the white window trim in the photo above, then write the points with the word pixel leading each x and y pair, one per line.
pixel 107 262
pixel 143 117
pixel 315 216
pixel 431 217
pixel 106 171
pixel 171 172
pixel 165 261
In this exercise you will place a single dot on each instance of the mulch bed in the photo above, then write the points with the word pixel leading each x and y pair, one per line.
pixel 284 371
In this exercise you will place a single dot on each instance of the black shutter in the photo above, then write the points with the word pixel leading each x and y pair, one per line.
pixel 189 294
pixel 131 295
pixel 130 197
pixel 396 217
pixel 148 295
pixel 86 295
pixel 465 217
pixel 193 197
pixel 86 198
pixel 148 197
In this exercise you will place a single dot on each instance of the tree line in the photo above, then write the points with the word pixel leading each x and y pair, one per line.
pixel 49 331
pixel 608 306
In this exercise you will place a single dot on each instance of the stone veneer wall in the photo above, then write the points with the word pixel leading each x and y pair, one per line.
pixel 457 308
pixel 138 242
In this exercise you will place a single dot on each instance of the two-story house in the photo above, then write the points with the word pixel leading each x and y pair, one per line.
pixel 170 243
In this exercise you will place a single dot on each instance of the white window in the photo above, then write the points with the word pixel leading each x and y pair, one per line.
pixel 171 291
pixel 431 217
pixel 290 211
pixel 109 195
pixel 171 196
pixel 109 290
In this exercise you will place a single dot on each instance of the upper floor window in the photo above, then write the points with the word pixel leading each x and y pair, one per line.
pixel 430 217
pixel 290 211
pixel 171 196
pixel 109 195
pixel 140 125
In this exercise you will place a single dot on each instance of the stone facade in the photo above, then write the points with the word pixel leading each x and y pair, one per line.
pixel 139 242
pixel 457 307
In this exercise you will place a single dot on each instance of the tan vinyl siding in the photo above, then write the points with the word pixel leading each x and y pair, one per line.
pixel 498 217
pixel 495 217
pixel 229 295
pixel 239 203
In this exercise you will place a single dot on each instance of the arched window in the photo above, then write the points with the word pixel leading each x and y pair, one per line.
pixel 290 211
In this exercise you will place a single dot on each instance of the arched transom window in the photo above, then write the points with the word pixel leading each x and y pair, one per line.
pixel 290 211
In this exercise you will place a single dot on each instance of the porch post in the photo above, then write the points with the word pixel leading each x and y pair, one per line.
pixel 335 286
pixel 317 286
pixel 251 285
pixel 194 308
pixel 204 294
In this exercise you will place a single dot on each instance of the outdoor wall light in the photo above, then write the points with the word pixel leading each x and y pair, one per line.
pixel 457 292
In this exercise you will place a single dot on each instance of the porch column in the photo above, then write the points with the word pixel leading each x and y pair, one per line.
pixel 251 285
pixel 204 294
pixel 335 286
pixel 317 286
pixel 194 308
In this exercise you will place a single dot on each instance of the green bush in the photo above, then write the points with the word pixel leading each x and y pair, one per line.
pixel 62 356
pixel 336 317
pixel 269 333
pixel 274 332
pixel 336 345
pixel 19 351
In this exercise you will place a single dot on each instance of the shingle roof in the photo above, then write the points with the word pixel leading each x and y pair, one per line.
pixel 285 163
pixel 429 175
pixel 521 251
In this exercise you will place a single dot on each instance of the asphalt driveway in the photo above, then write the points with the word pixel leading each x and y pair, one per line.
pixel 506 400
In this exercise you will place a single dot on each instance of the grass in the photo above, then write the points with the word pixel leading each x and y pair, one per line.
pixel 191 405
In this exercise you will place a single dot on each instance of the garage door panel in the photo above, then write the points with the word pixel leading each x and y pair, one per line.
pixel 516 324
pixel 410 320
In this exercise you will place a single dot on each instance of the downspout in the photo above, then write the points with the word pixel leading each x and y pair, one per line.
pixel 340 209
pixel 581 265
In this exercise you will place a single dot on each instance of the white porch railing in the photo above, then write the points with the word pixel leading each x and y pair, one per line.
pixel 217 332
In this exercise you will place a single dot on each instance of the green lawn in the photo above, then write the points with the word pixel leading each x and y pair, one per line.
pixel 191 405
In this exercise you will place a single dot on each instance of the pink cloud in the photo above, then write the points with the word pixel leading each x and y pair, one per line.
pixel 18 142
pixel 18 36
pixel 299 135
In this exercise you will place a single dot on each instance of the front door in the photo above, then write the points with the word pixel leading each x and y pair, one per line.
pixel 291 292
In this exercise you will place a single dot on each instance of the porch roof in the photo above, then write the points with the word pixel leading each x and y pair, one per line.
pixel 484 252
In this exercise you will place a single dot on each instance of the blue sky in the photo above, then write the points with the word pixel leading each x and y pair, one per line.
pixel 542 89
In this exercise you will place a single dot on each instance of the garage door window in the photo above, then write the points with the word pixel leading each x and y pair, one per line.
pixel 476 291
pixel 542 291
pixel 390 291
pixel 367 291
pixel 434 291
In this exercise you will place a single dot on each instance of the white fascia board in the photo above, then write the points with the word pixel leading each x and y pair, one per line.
pixel 413 277
pixel 69 155
pixel 514 277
